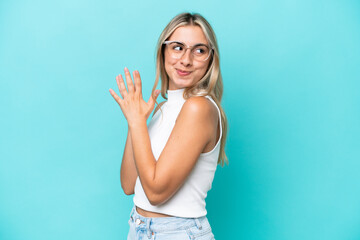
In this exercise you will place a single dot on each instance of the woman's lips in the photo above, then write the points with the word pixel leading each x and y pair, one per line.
pixel 182 73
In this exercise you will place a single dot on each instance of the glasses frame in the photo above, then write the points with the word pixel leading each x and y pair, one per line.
pixel 191 47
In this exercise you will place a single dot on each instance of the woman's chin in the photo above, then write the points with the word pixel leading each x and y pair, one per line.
pixel 180 83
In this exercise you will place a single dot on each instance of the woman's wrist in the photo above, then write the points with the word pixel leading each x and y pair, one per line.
pixel 136 124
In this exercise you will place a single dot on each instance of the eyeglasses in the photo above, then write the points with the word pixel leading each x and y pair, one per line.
pixel 200 52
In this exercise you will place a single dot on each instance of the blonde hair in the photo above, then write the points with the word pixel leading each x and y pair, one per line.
pixel 210 84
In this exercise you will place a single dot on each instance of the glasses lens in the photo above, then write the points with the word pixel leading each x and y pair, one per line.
pixel 176 49
pixel 201 52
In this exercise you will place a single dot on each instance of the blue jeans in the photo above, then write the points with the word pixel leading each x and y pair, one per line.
pixel 169 228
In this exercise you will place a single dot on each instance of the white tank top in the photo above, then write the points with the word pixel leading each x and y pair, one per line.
pixel 189 200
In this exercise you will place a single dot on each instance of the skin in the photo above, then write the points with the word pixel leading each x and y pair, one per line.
pixel 197 122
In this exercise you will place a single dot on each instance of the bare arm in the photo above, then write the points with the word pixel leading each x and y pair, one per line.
pixel 128 173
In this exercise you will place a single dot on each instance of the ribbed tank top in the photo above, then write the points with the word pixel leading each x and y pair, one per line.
pixel 189 200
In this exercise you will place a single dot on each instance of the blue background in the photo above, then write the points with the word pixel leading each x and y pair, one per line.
pixel 291 75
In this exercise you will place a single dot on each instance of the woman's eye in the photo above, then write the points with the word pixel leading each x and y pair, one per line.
pixel 200 50
pixel 178 48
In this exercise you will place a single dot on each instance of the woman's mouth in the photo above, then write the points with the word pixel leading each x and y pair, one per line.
pixel 182 73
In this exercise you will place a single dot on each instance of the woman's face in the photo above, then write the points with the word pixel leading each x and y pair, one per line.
pixel 185 71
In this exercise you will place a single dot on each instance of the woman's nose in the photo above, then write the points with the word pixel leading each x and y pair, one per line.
pixel 186 59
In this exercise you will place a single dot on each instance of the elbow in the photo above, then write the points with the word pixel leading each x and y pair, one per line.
pixel 156 199
pixel 127 190
pixel 157 194
pixel 127 185
pixel 155 202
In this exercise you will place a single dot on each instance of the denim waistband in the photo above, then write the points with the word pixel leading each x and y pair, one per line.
pixel 160 224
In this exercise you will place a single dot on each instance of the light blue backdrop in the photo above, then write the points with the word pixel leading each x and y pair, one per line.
pixel 291 75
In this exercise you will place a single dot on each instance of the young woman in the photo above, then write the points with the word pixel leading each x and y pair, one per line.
pixel 170 164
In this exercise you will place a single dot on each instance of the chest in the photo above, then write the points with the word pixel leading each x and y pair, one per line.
pixel 161 126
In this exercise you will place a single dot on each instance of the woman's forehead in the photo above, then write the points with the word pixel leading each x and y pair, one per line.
pixel 189 34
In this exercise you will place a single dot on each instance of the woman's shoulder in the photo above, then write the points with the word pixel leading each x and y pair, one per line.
pixel 200 105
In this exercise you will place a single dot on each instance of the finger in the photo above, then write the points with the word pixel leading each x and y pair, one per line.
pixel 121 85
pixel 116 97
pixel 137 81
pixel 129 82
pixel 153 97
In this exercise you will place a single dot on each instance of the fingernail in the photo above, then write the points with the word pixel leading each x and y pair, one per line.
pixel 126 69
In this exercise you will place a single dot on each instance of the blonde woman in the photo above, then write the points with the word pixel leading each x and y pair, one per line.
pixel 170 164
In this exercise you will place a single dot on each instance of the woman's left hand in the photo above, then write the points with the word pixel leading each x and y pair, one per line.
pixel 132 104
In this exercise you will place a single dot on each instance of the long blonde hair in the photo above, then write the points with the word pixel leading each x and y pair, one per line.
pixel 210 84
